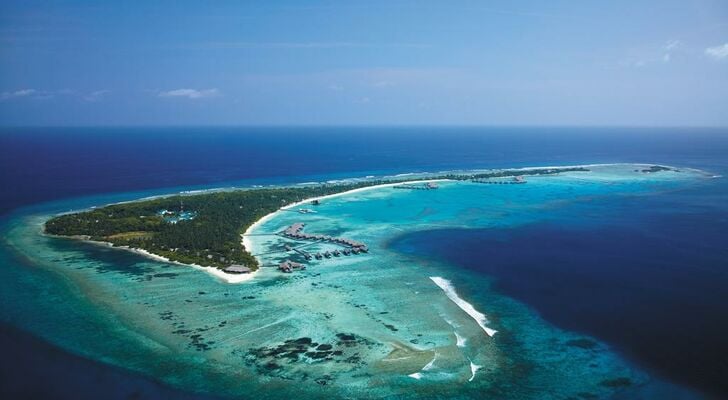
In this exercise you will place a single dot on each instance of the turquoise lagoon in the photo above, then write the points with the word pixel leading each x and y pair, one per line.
pixel 382 324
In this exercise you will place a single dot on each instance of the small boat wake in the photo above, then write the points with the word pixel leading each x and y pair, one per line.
pixel 449 290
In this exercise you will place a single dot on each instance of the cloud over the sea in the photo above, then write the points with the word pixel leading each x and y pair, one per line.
pixel 96 96
pixel 17 93
pixel 718 52
pixel 191 93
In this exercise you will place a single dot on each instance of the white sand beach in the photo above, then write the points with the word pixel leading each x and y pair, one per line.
pixel 251 229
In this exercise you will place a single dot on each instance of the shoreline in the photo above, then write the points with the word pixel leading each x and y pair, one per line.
pixel 248 245
pixel 384 177
pixel 246 241
pixel 216 272
pixel 357 190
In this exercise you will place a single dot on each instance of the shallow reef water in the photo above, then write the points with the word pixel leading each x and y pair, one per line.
pixel 372 325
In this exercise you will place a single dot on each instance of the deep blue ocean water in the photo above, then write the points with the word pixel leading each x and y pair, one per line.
pixel 651 281
pixel 654 283
pixel 41 164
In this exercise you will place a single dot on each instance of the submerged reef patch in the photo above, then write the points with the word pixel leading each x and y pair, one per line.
pixel 294 358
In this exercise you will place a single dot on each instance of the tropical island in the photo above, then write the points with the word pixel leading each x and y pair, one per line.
pixel 204 229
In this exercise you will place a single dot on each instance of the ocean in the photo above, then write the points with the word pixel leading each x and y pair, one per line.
pixel 628 274
pixel 42 164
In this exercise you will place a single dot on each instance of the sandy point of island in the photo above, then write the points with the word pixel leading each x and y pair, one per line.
pixel 230 278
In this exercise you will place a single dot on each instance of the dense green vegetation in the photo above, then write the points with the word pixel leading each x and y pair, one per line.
pixel 534 171
pixel 655 168
pixel 212 238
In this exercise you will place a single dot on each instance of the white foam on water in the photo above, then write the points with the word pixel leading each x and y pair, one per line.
pixel 459 340
pixel 430 364
pixel 473 369
pixel 449 290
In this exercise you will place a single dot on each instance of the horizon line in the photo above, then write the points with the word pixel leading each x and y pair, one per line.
pixel 338 126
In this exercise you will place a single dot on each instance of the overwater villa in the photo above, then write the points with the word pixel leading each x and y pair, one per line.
pixel 288 266
pixel 295 231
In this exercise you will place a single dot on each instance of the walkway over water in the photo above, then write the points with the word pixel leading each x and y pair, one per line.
pixel 350 246
pixel 515 181
pixel 423 186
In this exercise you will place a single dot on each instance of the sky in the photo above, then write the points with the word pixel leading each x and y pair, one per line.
pixel 601 63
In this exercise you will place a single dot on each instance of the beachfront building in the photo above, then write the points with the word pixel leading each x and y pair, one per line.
pixel 237 269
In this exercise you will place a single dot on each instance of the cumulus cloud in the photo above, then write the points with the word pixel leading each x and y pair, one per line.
pixel 191 93
pixel 18 94
pixel 717 52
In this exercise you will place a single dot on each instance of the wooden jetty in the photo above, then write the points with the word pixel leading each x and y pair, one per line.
pixel 295 232
pixel 424 186
pixel 517 180
pixel 305 254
